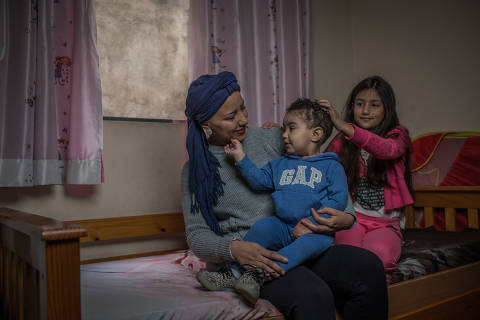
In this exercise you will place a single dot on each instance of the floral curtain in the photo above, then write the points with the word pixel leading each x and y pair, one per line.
pixel 50 95
pixel 265 43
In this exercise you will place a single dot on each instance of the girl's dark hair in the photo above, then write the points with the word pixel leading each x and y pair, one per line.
pixel 350 153
pixel 314 115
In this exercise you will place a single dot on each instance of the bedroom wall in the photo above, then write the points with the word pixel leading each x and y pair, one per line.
pixel 428 50
pixel 332 52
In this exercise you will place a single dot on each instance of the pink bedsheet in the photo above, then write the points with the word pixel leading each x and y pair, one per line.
pixel 158 287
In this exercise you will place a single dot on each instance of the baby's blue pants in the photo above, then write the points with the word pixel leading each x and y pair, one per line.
pixel 274 234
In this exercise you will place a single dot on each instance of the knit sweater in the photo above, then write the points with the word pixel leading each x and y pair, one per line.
pixel 240 206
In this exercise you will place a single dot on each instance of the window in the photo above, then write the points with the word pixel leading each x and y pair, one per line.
pixel 142 47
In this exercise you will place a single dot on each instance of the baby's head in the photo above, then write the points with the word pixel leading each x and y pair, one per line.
pixel 306 127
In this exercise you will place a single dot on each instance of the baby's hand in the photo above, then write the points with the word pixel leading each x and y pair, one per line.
pixel 235 150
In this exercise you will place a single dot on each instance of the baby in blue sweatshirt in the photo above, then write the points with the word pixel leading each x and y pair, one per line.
pixel 302 180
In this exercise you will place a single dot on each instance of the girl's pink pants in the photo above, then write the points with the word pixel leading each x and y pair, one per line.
pixel 382 236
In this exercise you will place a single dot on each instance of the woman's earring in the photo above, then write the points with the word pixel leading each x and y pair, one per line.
pixel 208 132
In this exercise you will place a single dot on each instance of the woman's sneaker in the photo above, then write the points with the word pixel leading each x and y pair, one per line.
pixel 250 283
pixel 221 280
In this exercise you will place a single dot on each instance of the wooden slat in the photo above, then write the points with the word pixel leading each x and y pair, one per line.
pixel 2 276
pixel 30 306
pixel 20 290
pixel 450 219
pixel 63 280
pixel 14 285
pixel 473 218
pixel 131 227
pixel 429 217
pixel 35 274
pixel 409 217
pixel 7 300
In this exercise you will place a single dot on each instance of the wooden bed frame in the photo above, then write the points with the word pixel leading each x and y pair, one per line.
pixel 40 261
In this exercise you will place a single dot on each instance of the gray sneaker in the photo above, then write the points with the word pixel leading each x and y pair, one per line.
pixel 250 283
pixel 221 280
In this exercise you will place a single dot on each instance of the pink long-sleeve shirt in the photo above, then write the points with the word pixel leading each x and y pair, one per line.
pixel 393 149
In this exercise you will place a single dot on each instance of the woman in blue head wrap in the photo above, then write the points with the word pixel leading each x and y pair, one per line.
pixel 206 96
pixel 219 208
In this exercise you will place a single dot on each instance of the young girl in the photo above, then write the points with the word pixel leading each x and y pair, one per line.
pixel 375 152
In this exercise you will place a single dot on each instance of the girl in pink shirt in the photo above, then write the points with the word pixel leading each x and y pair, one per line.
pixel 375 151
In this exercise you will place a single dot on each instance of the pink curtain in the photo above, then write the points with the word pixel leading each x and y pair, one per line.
pixel 265 43
pixel 50 95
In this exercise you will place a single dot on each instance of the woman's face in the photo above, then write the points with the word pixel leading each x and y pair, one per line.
pixel 229 122
pixel 368 109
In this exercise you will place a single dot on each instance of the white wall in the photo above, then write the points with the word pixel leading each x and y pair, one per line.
pixel 332 52
pixel 428 50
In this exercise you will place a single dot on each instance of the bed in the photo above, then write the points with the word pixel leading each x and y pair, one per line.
pixel 41 276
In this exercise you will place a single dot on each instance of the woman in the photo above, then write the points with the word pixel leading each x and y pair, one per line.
pixel 219 208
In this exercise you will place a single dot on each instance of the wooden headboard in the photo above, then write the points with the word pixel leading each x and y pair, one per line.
pixel 450 198
pixel 39 258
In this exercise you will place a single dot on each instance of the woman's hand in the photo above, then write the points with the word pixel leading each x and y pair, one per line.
pixel 251 253
pixel 338 122
pixel 338 220
pixel 269 124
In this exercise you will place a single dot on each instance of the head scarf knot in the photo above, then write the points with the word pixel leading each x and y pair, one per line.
pixel 205 96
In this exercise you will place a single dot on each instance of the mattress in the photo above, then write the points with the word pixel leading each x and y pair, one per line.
pixel 427 251
pixel 158 287
pixel 164 286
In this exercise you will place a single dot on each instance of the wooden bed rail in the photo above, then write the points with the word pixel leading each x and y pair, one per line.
pixel 131 227
pixel 39 267
pixel 450 198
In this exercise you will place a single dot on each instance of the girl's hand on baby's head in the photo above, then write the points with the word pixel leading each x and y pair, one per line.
pixel 338 122
pixel 328 107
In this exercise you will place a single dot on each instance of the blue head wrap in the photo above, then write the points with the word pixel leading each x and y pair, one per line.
pixel 205 96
